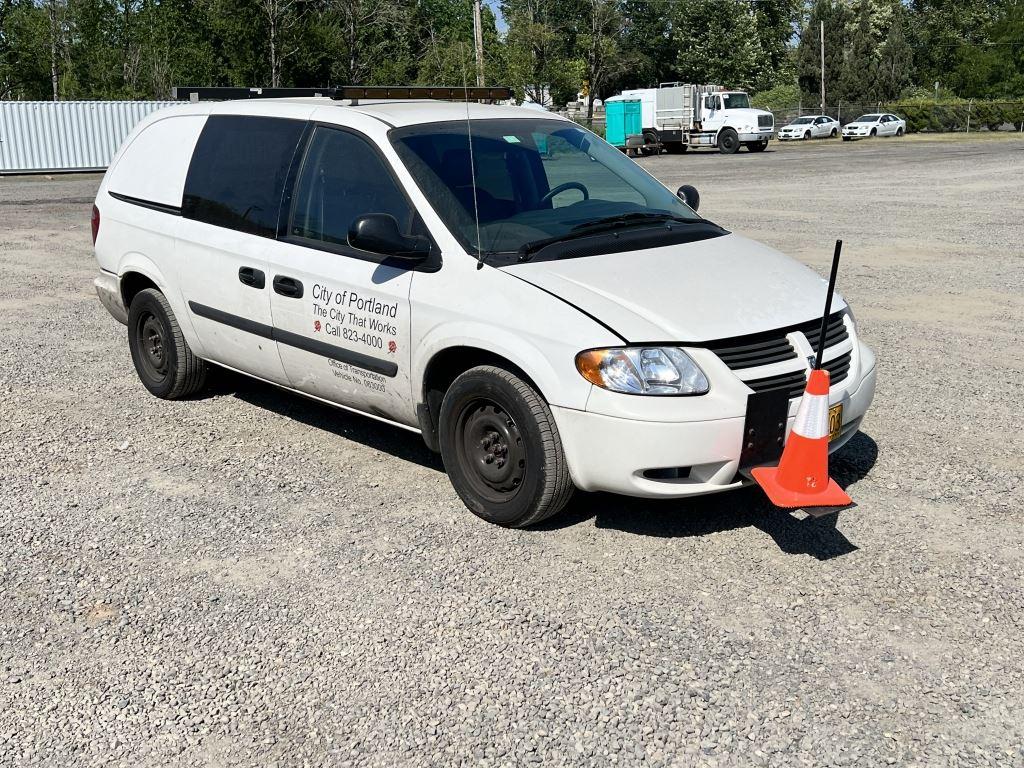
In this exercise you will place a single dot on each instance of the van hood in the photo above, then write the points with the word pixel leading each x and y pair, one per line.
pixel 711 289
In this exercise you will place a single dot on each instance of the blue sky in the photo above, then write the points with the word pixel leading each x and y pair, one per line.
pixel 495 5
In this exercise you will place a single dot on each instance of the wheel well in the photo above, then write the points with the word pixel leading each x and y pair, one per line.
pixel 442 370
pixel 131 284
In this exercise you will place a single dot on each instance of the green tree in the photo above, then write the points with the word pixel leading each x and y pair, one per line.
pixel 837 18
pixel 538 51
pixel 775 21
pixel 895 61
pixel 856 82
pixel 718 42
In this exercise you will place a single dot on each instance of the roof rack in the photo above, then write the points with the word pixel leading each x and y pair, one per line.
pixel 352 93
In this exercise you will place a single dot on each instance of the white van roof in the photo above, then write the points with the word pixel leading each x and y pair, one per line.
pixel 393 112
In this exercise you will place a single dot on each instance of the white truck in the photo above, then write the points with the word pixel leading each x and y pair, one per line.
pixel 677 116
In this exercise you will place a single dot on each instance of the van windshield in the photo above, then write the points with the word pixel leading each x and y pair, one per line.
pixel 536 180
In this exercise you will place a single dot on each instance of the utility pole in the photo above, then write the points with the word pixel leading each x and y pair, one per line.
pixel 478 42
pixel 822 67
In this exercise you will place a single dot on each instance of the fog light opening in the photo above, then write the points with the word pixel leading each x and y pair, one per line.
pixel 667 473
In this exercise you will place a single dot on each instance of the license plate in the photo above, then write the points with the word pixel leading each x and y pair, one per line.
pixel 835 421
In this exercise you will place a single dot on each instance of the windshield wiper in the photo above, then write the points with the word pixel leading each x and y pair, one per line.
pixel 607 224
pixel 640 217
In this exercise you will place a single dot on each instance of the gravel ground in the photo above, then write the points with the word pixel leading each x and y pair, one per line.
pixel 252 579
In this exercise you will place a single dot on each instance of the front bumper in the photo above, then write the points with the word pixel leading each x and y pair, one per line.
pixel 606 453
pixel 108 288
pixel 762 134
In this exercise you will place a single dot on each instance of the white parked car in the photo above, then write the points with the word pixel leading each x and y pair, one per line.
pixel 810 127
pixel 545 313
pixel 875 124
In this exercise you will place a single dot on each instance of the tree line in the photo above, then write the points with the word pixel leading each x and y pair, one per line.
pixel 547 50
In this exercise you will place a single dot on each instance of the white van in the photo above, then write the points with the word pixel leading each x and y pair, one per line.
pixel 544 312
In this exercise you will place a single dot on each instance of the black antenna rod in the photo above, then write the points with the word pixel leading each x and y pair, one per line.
pixel 828 303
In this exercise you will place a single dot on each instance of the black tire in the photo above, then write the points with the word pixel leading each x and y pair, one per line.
pixel 847 138
pixel 501 448
pixel 899 132
pixel 676 147
pixel 874 132
pixel 728 141
pixel 757 146
pixel 833 134
pixel 163 360
pixel 651 143
pixel 807 135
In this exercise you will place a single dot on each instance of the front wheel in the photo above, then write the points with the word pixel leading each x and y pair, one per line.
pixel 162 357
pixel 807 135
pixel 502 450
pixel 874 132
pixel 728 141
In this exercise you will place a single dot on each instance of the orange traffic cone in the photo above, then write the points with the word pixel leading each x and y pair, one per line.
pixel 801 479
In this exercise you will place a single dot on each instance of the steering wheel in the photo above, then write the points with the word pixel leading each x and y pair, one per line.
pixel 562 188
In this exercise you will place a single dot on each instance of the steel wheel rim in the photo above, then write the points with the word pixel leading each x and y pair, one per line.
pixel 152 342
pixel 491 450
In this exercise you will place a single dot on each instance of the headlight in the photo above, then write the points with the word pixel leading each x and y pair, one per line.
pixel 643 371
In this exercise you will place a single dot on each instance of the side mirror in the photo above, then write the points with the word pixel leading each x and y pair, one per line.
pixel 689 195
pixel 378 233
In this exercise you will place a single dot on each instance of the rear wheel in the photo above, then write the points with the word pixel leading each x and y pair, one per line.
pixel 899 131
pixel 728 141
pixel 833 134
pixel 676 147
pixel 162 357
pixel 502 450
pixel 757 146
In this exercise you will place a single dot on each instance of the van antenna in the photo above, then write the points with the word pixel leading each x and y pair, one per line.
pixel 472 163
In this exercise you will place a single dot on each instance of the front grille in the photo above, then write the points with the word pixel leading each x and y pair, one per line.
pixel 754 350
pixel 743 352
pixel 839 368
pixel 835 331
pixel 793 382
pixel 765 121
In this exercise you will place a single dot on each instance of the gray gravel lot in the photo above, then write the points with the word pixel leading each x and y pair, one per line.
pixel 253 579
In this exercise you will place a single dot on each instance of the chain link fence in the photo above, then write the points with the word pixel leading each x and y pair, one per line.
pixel 936 117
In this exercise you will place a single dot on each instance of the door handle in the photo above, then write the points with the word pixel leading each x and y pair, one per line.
pixel 252 277
pixel 287 286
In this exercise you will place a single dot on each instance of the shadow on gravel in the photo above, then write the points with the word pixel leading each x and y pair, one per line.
pixel 351 426
pixel 702 515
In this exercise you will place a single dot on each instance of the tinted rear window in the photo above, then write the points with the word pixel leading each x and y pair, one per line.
pixel 238 172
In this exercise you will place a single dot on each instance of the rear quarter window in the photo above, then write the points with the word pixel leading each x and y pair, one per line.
pixel 154 165
pixel 238 172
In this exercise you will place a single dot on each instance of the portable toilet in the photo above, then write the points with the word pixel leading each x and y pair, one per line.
pixel 623 118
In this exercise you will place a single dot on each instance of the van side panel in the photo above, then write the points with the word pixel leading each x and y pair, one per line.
pixel 140 204
pixel 154 165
